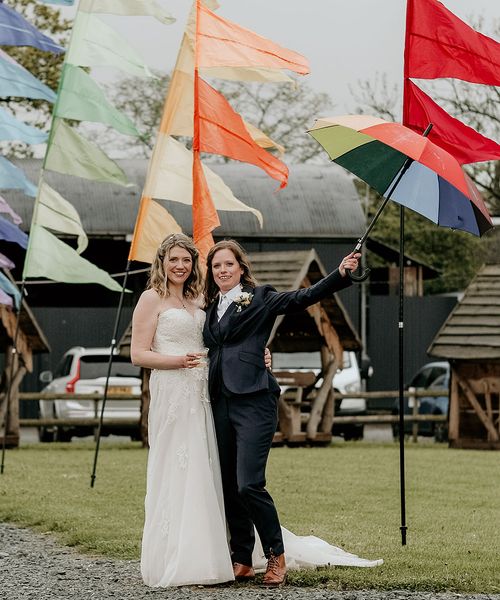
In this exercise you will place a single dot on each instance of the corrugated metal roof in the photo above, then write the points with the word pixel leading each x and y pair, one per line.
pixel 319 201
pixel 472 331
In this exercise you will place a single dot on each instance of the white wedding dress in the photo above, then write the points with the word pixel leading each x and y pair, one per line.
pixel 185 535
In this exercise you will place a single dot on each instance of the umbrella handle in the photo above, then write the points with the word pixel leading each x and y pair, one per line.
pixel 358 278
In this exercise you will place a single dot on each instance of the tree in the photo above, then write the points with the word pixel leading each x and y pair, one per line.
pixel 46 66
pixel 283 112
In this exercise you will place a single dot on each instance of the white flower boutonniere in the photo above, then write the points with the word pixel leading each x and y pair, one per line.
pixel 243 300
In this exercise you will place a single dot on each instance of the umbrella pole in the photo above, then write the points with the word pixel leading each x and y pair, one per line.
pixel 403 526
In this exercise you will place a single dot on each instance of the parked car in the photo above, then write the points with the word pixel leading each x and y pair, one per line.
pixel 83 371
pixel 347 380
pixel 432 376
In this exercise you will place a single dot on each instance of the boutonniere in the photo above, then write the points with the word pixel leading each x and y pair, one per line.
pixel 243 300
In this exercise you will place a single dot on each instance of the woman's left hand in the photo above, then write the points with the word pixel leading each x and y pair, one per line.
pixel 351 262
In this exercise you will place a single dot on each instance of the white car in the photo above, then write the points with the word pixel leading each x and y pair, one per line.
pixel 83 371
pixel 347 380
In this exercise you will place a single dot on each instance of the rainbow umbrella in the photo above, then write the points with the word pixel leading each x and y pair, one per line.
pixel 406 167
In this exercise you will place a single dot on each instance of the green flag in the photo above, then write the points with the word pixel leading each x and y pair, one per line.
pixel 48 257
pixel 82 99
pixel 95 44
pixel 54 212
pixel 71 154
pixel 127 8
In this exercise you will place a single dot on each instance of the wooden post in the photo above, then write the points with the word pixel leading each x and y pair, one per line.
pixel 320 400
pixel 413 401
pixel 454 421
pixel 18 369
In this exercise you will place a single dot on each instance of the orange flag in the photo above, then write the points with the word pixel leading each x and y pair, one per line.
pixel 205 217
pixel 222 43
pixel 222 131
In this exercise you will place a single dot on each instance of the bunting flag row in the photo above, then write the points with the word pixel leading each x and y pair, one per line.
pixel 440 45
pixel 79 98
pixel 211 47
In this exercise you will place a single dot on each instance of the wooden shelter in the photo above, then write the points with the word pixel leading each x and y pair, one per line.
pixel 29 339
pixel 323 327
pixel 470 340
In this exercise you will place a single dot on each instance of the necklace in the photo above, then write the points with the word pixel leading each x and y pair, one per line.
pixel 180 300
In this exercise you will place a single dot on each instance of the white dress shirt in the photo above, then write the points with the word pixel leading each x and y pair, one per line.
pixel 226 299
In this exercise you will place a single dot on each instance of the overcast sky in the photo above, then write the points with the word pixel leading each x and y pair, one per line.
pixel 344 40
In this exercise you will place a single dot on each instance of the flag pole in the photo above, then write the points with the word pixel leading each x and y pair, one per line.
pixel 108 374
pixel 11 376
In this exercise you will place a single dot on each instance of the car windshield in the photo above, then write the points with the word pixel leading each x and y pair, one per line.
pixel 92 367
pixel 301 360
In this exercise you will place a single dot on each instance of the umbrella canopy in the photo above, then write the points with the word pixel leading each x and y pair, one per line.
pixel 434 185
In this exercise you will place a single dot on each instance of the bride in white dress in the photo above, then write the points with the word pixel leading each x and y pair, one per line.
pixel 185 535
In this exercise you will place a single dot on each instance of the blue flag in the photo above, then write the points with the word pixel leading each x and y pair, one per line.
pixel 63 2
pixel 15 30
pixel 12 129
pixel 9 288
pixel 11 233
pixel 17 82
pixel 12 178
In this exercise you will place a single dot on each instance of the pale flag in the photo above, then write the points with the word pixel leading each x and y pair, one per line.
pixel 170 178
pixel 128 8
pixel 54 212
pixel 49 257
pixel 95 44
pixel 71 154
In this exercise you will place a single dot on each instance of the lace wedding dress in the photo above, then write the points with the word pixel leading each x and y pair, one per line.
pixel 185 535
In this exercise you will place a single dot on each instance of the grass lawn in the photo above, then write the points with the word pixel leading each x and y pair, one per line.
pixel 347 494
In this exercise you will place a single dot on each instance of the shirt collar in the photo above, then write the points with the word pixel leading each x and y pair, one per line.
pixel 233 293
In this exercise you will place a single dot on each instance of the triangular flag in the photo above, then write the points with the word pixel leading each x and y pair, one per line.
pixel 17 82
pixel 9 288
pixel 461 141
pixel 6 263
pixel 439 44
pixel 6 208
pixel 48 257
pixel 54 212
pixel 11 233
pixel 5 299
pixel 12 178
pixel 12 129
pixel 82 99
pixel 170 177
pixel 71 154
pixel 222 43
pixel 127 8
pixel 152 226
pixel 95 44
pixel 222 131
pixel 205 217
pixel 62 2
pixel 15 30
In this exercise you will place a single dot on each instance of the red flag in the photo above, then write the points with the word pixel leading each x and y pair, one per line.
pixel 222 131
pixel 439 44
pixel 205 217
pixel 463 142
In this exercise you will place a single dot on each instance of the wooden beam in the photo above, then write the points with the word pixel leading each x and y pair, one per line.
pixel 483 417
pixel 319 401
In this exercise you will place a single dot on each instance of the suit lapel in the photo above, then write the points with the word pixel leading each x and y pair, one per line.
pixel 212 325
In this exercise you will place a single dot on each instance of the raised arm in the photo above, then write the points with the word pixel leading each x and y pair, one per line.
pixel 289 302
pixel 144 321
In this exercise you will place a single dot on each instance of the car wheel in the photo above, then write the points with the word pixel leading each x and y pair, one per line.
pixel 45 435
pixel 440 433
pixel 63 435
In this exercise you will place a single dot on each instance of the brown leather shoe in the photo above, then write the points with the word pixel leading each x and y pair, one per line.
pixel 243 572
pixel 276 570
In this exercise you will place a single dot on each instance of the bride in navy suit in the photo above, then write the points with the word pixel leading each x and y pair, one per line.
pixel 244 394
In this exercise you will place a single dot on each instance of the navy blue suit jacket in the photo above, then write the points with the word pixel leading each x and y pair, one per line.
pixel 237 342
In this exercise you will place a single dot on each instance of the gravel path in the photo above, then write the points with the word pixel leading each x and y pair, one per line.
pixel 35 567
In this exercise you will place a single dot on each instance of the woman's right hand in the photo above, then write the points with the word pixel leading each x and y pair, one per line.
pixel 190 360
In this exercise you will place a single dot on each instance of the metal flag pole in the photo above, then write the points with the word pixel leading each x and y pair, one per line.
pixel 108 374
pixel 403 528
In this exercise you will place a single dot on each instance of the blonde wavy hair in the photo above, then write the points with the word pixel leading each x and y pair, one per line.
pixel 211 288
pixel 158 280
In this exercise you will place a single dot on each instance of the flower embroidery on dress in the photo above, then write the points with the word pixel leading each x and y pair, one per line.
pixel 165 524
pixel 243 300
pixel 182 456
